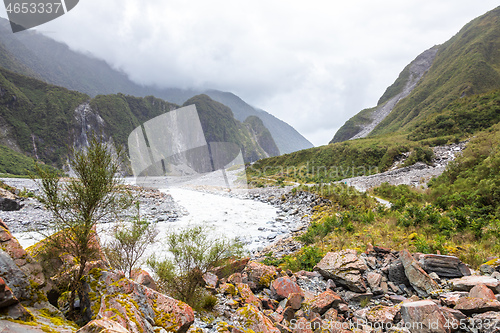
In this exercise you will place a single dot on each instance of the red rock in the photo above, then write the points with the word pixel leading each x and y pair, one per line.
pixel 282 287
pixel 104 325
pixel 234 266
pixel 250 318
pixel 330 315
pixel 419 279
pixel 374 279
pixel 450 299
pixel 425 313
pixel 295 300
pixel 142 277
pixel 470 305
pixel 268 303
pixel 247 295
pixel 7 297
pixel 325 301
pixel 260 274
pixel 228 289
pixel 482 291
pixel 378 314
pixel 289 313
pixel 19 270
pixel 282 328
pixel 491 318
pixel 106 293
pixel 301 325
pixel 235 278
pixel 275 317
pixel 454 318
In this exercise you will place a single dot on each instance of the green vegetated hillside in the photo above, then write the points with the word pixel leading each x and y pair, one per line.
pixel 42 120
pixel 219 125
pixel 38 56
pixel 458 96
pixel 466 65
pixel 37 118
pixel 458 214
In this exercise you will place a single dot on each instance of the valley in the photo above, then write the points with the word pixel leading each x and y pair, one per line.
pixel 394 226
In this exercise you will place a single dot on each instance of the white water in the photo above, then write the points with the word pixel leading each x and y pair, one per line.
pixel 250 221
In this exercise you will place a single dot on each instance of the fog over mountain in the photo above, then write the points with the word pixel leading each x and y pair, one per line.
pixel 314 65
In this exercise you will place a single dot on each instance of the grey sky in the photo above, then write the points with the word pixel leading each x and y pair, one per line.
pixel 313 64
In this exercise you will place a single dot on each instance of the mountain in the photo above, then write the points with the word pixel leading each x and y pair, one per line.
pixel 449 93
pixel 41 120
pixel 466 65
pixel 32 54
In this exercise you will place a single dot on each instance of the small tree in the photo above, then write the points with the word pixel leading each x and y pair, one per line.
pixel 193 253
pixel 78 204
pixel 129 243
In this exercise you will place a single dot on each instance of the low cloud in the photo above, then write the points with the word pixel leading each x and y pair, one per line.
pixel 312 64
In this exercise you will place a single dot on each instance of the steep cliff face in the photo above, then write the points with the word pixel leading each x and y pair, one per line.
pixel 262 135
pixel 365 122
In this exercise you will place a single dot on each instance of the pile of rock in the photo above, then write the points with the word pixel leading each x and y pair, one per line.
pixel 379 290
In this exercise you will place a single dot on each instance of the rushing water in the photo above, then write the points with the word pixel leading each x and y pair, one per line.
pixel 250 221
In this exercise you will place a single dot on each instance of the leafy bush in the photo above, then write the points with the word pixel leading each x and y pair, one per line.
pixel 129 243
pixel 193 252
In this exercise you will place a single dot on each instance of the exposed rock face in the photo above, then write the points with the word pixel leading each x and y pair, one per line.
pixel 133 306
pixel 417 69
pixel 418 278
pixel 345 268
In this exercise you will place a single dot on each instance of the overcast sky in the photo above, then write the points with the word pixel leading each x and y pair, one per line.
pixel 313 64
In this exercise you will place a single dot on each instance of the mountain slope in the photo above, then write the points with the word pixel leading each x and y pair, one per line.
pixel 42 120
pixel 467 64
pixel 362 124
pixel 43 58
pixel 286 137
pixel 457 97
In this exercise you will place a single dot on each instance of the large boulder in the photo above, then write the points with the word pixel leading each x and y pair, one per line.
pixel 29 266
pixel 466 283
pixel 252 320
pixel 419 279
pixel 423 317
pixel 471 305
pixel 491 319
pixel 324 301
pixel 135 307
pixel 282 287
pixel 260 275
pixel 345 268
pixel 20 271
pixel 444 266
pixel 104 325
